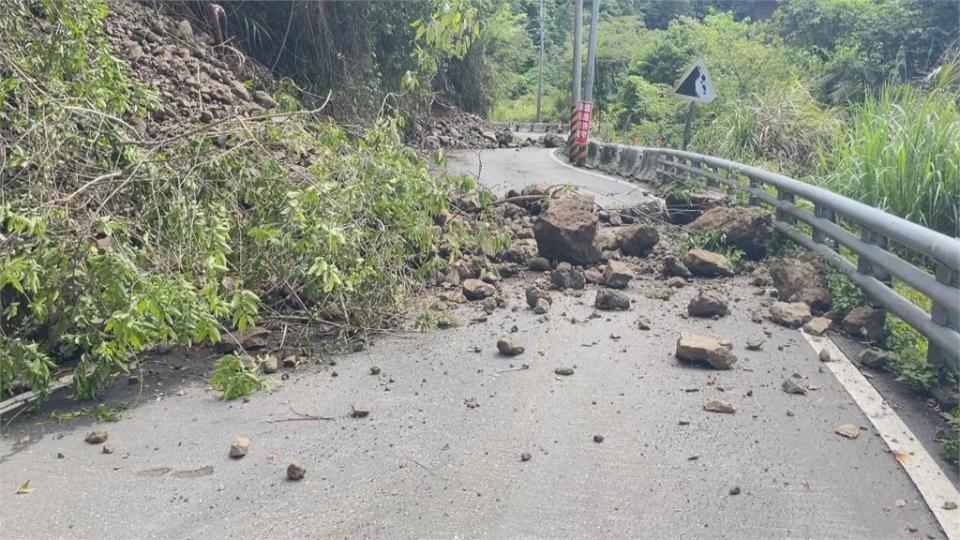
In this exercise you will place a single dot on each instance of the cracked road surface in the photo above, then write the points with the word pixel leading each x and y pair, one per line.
pixel 440 453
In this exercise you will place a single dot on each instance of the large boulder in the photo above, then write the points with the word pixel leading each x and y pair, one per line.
pixel 703 349
pixel 864 322
pixel 750 229
pixel 797 280
pixel 567 230
pixel 638 240
pixel 684 207
pixel 705 263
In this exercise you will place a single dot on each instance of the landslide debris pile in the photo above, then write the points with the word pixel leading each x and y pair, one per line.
pixel 450 127
pixel 157 189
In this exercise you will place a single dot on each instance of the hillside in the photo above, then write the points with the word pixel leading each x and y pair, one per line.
pixel 158 189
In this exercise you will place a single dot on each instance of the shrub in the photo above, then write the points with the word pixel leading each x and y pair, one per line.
pixel 901 153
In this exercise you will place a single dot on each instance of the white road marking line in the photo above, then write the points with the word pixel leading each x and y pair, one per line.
pixel 553 156
pixel 934 486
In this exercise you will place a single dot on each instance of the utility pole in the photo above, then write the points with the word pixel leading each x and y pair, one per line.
pixel 592 51
pixel 540 74
pixel 577 45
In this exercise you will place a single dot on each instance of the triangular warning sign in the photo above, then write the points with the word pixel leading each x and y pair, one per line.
pixel 696 84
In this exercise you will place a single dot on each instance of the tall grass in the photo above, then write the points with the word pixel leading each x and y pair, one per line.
pixel 901 153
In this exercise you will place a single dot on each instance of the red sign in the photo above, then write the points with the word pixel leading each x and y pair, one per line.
pixel 583 115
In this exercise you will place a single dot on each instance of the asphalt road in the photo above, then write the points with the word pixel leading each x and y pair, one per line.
pixel 439 454
pixel 506 169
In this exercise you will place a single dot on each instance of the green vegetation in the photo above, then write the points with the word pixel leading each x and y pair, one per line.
pixel 235 378
pixel 111 245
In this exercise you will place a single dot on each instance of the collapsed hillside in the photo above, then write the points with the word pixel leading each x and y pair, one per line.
pixel 157 189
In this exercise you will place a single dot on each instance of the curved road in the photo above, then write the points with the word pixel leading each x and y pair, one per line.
pixel 503 170
pixel 439 456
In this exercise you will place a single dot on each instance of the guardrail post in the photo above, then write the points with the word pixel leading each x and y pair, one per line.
pixel 781 215
pixel 823 212
pixel 937 356
pixel 866 267
pixel 710 181
pixel 754 184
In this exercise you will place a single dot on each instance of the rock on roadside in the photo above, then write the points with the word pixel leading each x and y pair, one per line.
pixel 239 447
pixel 609 300
pixel 702 349
pixel 567 230
pixel 705 263
pixel 474 289
pixel 790 314
pixel 707 304
pixel 719 406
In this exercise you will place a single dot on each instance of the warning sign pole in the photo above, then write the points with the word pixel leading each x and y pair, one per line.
pixel 688 127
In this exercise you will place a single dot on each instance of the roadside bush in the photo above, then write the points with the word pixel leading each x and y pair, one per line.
pixel 900 152
pixel 110 245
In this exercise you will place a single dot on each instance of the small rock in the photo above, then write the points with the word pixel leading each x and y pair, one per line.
pixel 673 267
pixel 295 471
pixel 705 263
pixel 873 358
pixel 565 371
pixel 525 456
pixel 676 282
pixel 949 505
pixel 508 347
pixel 719 406
pixel 609 300
pixel 755 343
pixel 791 387
pixel 825 355
pixel 707 304
pixel 593 277
pixel 60 455
pixel 541 307
pixel 849 431
pixel 375 369
pixel 695 348
pixel 643 324
pixel 239 447
pixel 359 410
pixel 790 314
pixel 474 289
pixel 539 264
pixel 107 449
pixel 617 275
pixel 96 437
pixel 269 364
pixel 598 438
pixel 567 277
pixel 735 490
pixel 534 295
pixel 864 322
pixel 818 326
pixel 291 361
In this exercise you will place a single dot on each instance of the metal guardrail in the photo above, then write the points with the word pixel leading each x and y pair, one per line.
pixel 825 230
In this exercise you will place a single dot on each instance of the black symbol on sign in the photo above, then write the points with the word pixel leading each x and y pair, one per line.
pixel 695 85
